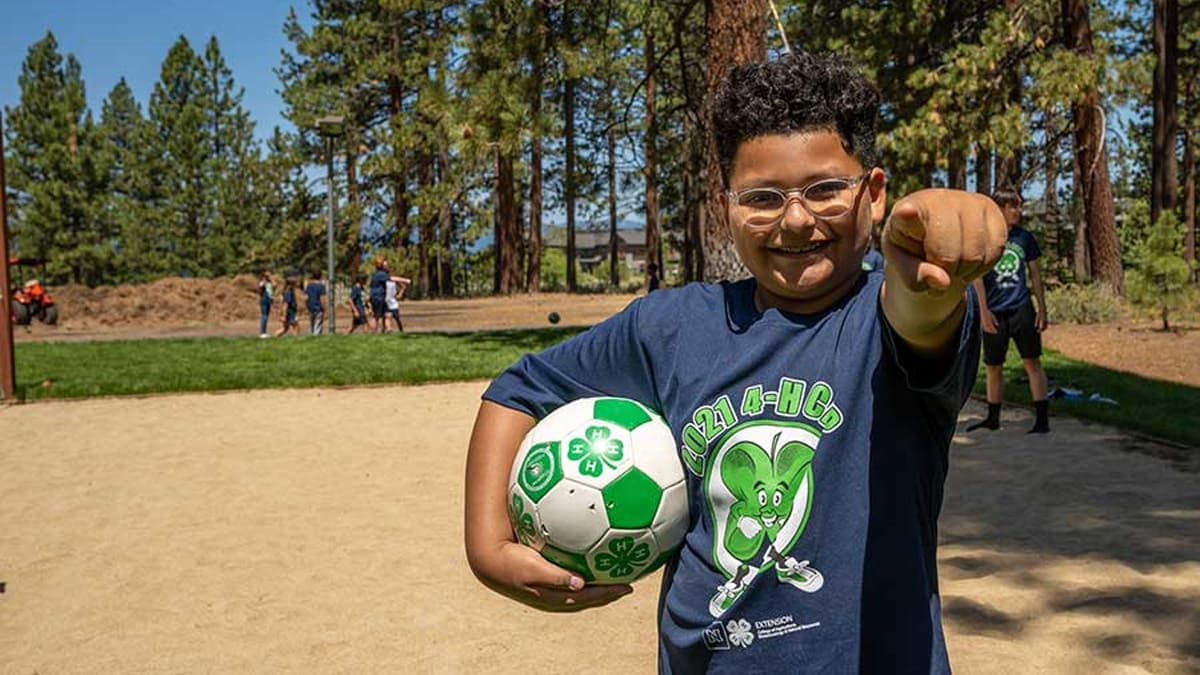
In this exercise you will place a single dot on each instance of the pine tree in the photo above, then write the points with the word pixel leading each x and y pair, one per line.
pixel 54 172
pixel 1160 277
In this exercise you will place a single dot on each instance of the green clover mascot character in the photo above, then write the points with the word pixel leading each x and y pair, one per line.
pixel 764 487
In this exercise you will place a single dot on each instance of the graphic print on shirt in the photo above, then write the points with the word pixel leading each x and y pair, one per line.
pixel 758 481
pixel 1008 267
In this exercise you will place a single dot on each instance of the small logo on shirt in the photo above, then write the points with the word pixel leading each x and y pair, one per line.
pixel 739 632
pixel 715 637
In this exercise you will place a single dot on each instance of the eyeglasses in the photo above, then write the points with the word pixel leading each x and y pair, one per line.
pixel 763 207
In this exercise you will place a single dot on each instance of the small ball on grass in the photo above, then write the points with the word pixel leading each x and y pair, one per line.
pixel 553 317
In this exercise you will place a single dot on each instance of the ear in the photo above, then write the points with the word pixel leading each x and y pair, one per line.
pixel 877 189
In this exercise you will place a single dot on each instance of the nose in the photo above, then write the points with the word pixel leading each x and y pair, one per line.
pixel 795 216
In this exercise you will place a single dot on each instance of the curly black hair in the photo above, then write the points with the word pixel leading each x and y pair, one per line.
pixel 795 93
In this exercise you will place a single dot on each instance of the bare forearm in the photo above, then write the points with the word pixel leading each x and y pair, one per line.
pixel 494 443
pixel 928 320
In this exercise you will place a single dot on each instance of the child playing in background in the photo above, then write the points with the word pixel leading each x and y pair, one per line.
pixel 315 294
pixel 394 289
pixel 266 295
pixel 357 305
pixel 288 316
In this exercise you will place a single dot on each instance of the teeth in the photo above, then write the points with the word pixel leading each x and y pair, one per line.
pixel 801 249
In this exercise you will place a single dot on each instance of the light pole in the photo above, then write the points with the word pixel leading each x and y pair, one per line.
pixel 330 127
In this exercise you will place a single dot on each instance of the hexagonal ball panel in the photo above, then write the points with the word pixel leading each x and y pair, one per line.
pixel 572 516
pixel 655 452
pixel 632 500
pixel 671 521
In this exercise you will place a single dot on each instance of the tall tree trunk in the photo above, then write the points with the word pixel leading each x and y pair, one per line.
pixel 692 252
pixel 1164 171
pixel 737 34
pixel 983 170
pixel 650 144
pixel 444 279
pixel 569 178
pixel 1189 196
pixel 1082 261
pixel 506 242
pixel 1103 248
pixel 956 170
pixel 424 228
pixel 533 268
pixel 1050 156
pixel 395 108
pixel 614 269
pixel 353 228
pixel 693 255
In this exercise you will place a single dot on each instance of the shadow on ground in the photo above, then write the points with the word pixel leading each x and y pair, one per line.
pixel 1086 523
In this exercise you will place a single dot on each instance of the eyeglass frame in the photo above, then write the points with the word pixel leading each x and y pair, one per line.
pixel 798 193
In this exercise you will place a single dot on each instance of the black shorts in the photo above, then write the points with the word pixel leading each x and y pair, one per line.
pixel 360 320
pixel 1019 324
pixel 378 308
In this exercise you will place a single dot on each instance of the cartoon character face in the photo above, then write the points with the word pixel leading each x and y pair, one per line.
pixel 1009 263
pixel 764 486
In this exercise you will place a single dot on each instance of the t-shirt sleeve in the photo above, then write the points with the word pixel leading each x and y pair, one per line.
pixel 606 360
pixel 950 377
pixel 1032 250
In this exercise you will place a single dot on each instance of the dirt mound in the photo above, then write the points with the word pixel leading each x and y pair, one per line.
pixel 168 300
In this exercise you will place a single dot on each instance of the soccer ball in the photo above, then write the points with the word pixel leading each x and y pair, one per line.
pixel 598 488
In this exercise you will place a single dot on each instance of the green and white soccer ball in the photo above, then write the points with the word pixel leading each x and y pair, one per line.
pixel 598 488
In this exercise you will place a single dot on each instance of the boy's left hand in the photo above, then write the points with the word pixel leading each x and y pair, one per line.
pixel 938 239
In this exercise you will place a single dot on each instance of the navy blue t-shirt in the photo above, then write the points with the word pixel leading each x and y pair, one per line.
pixel 315 290
pixel 356 298
pixel 379 285
pixel 816 452
pixel 1005 283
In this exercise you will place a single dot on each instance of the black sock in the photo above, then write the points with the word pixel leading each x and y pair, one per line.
pixel 992 421
pixel 1041 422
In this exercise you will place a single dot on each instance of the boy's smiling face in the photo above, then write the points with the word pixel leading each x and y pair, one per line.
pixel 803 265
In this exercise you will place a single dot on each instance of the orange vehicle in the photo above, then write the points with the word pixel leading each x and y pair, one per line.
pixel 30 299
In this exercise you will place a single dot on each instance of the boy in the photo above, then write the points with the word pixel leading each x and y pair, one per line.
pixel 1006 311
pixel 844 385
pixel 315 303
pixel 266 294
pixel 357 307
pixel 289 320
pixel 379 295
pixel 393 289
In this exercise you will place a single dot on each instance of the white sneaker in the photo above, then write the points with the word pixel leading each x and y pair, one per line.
pixel 800 575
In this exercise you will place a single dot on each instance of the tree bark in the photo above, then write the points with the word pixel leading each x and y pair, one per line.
pixel 1083 264
pixel 506 244
pixel 737 34
pixel 1165 94
pixel 650 142
pixel 614 272
pixel 569 179
pixel 533 267
pixel 956 170
pixel 1189 197
pixel 1103 248
pixel 983 171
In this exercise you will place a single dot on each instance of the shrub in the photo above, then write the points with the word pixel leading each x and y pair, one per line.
pixel 1082 303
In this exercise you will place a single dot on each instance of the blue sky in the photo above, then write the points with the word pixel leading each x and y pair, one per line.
pixel 130 38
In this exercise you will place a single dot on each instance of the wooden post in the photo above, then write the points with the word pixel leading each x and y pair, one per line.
pixel 8 372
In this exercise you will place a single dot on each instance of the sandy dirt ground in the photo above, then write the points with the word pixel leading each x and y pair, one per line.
pixel 229 533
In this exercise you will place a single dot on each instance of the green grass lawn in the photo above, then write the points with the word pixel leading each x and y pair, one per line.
pixel 1163 409
pixel 80 369
pixel 125 367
